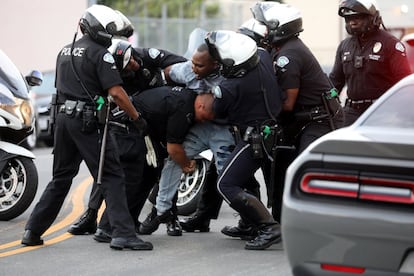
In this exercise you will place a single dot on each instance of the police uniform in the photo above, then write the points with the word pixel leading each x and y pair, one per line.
pixel 139 176
pixel 76 141
pixel 368 69
pixel 297 67
pixel 242 101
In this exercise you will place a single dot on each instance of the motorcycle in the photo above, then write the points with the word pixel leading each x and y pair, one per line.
pixel 18 173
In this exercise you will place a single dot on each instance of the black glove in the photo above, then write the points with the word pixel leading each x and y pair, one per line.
pixel 141 125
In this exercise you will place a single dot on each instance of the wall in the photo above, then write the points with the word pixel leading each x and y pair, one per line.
pixel 34 31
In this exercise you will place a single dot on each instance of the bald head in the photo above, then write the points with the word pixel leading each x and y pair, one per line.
pixel 203 106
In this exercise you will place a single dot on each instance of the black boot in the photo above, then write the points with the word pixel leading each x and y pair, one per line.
pixel 86 223
pixel 242 230
pixel 254 211
pixel 153 221
pixel 197 222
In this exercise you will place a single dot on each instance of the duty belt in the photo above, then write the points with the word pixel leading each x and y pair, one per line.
pixel 359 104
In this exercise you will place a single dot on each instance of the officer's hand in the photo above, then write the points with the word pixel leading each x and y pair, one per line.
pixel 141 125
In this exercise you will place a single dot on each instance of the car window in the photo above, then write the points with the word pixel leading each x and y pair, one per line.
pixel 396 111
pixel 48 84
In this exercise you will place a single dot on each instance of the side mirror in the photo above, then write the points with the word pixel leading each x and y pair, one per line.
pixel 35 78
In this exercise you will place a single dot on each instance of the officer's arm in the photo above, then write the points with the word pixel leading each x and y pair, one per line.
pixel 177 153
pixel 291 96
pixel 121 99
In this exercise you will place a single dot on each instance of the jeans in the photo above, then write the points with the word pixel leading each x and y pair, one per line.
pixel 201 137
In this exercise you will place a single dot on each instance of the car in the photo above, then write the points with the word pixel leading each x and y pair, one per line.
pixel 348 201
pixel 41 97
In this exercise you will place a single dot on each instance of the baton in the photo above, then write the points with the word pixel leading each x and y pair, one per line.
pixel 103 146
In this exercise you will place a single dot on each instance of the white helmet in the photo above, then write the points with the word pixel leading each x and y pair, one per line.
pixel 237 53
pixel 283 20
pixel 121 50
pixel 254 29
pixel 101 23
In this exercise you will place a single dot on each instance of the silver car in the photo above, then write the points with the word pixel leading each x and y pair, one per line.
pixel 348 202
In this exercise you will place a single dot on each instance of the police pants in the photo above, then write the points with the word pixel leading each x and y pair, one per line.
pixel 70 148
pixel 237 173
pixel 131 148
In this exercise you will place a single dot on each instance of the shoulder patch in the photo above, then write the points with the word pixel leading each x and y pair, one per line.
pixel 108 58
pixel 217 92
pixel 400 47
pixel 153 53
pixel 282 61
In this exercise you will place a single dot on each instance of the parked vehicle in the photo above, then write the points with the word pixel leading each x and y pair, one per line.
pixel 41 97
pixel 18 174
pixel 348 206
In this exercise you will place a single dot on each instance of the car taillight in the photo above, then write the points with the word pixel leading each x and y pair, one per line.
pixel 330 184
pixel 342 268
pixel 362 187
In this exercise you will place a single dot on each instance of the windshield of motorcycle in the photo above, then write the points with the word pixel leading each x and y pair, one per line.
pixel 11 80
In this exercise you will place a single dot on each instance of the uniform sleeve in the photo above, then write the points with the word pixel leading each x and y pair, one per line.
pixel 288 66
pixel 106 70
pixel 337 75
pixel 177 127
pixel 399 66
pixel 223 101
pixel 161 58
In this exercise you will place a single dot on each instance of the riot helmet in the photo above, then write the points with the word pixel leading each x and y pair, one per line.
pixel 366 10
pixel 282 20
pixel 128 29
pixel 236 53
pixel 121 50
pixel 255 30
pixel 101 23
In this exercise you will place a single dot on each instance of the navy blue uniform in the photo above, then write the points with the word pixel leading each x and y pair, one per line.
pixel 368 69
pixel 96 67
pixel 243 103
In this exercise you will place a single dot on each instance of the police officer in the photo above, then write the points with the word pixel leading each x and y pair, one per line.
pixel 369 61
pixel 251 99
pixel 141 69
pixel 305 115
pixel 85 70
pixel 171 112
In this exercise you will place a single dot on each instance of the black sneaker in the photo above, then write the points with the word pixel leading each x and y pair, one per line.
pixel 153 221
pixel 86 223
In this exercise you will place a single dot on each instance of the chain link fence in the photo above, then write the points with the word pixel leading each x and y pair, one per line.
pixel 173 33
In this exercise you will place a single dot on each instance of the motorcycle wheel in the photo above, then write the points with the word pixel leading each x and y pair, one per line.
pixel 18 186
pixel 190 188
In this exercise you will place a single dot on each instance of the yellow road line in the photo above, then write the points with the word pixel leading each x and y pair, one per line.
pixel 77 209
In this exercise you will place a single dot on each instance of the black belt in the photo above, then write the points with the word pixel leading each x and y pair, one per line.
pixel 359 104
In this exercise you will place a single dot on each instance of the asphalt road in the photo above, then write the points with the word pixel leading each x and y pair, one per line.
pixel 191 254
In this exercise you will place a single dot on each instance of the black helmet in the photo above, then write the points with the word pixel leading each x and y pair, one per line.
pixel 236 53
pixel 121 50
pixel 101 23
pixel 367 8
pixel 282 20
